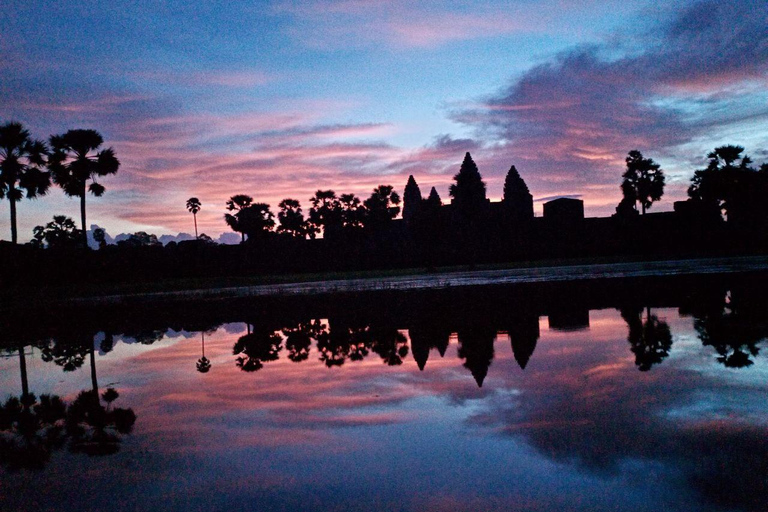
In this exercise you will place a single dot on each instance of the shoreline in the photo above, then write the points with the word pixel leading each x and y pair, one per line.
pixel 435 280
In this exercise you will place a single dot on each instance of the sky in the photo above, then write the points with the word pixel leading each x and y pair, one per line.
pixel 279 99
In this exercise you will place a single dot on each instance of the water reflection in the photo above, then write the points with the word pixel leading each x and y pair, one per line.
pixel 655 398
pixel 650 338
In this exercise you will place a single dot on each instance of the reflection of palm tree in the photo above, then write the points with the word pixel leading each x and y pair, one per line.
pixel 733 328
pixel 390 344
pixel 67 350
pixel 256 348
pixel 299 339
pixel 23 371
pixel 341 342
pixel 30 430
pixel 203 364
pixel 95 429
pixel 650 339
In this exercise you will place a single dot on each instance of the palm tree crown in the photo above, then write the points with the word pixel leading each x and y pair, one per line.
pixel 22 163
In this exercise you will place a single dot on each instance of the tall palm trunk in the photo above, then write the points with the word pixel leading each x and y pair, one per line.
pixel 23 370
pixel 195 217
pixel 82 217
pixel 94 382
pixel 14 234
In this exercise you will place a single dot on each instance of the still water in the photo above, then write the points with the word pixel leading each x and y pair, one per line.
pixel 634 396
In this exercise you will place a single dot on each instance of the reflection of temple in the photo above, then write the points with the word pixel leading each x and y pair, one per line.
pixel 426 336
pixel 476 347
pixel 523 334
pixel 574 318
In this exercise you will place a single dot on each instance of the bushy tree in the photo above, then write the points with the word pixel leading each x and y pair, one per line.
pixel 729 185
pixel 291 218
pixel 22 168
pixel 140 239
pixel 643 180
pixel 61 232
pixel 75 160
pixel 235 204
pixel 352 212
pixel 256 220
pixel 326 212
pixel 381 207
pixel 100 237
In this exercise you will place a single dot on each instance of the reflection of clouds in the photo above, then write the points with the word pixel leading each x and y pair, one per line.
pixel 580 409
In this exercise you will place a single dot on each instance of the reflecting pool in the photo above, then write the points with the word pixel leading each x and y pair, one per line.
pixel 645 394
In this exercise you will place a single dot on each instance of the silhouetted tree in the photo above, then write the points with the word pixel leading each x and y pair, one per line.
pixel 235 204
pixel 468 192
pixel 627 207
pixel 352 212
pixel 22 163
pixel 729 185
pixel 381 207
pixel 59 233
pixel 292 222
pixel 643 180
pixel 140 239
pixel 517 200
pixel 326 212
pixel 77 159
pixel 193 206
pixel 256 348
pixel 411 200
pixel 650 339
pixel 256 220
pixel 100 237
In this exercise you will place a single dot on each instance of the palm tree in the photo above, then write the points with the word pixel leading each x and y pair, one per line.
pixel 643 180
pixel 235 204
pixel 193 205
pixel 22 161
pixel 76 159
